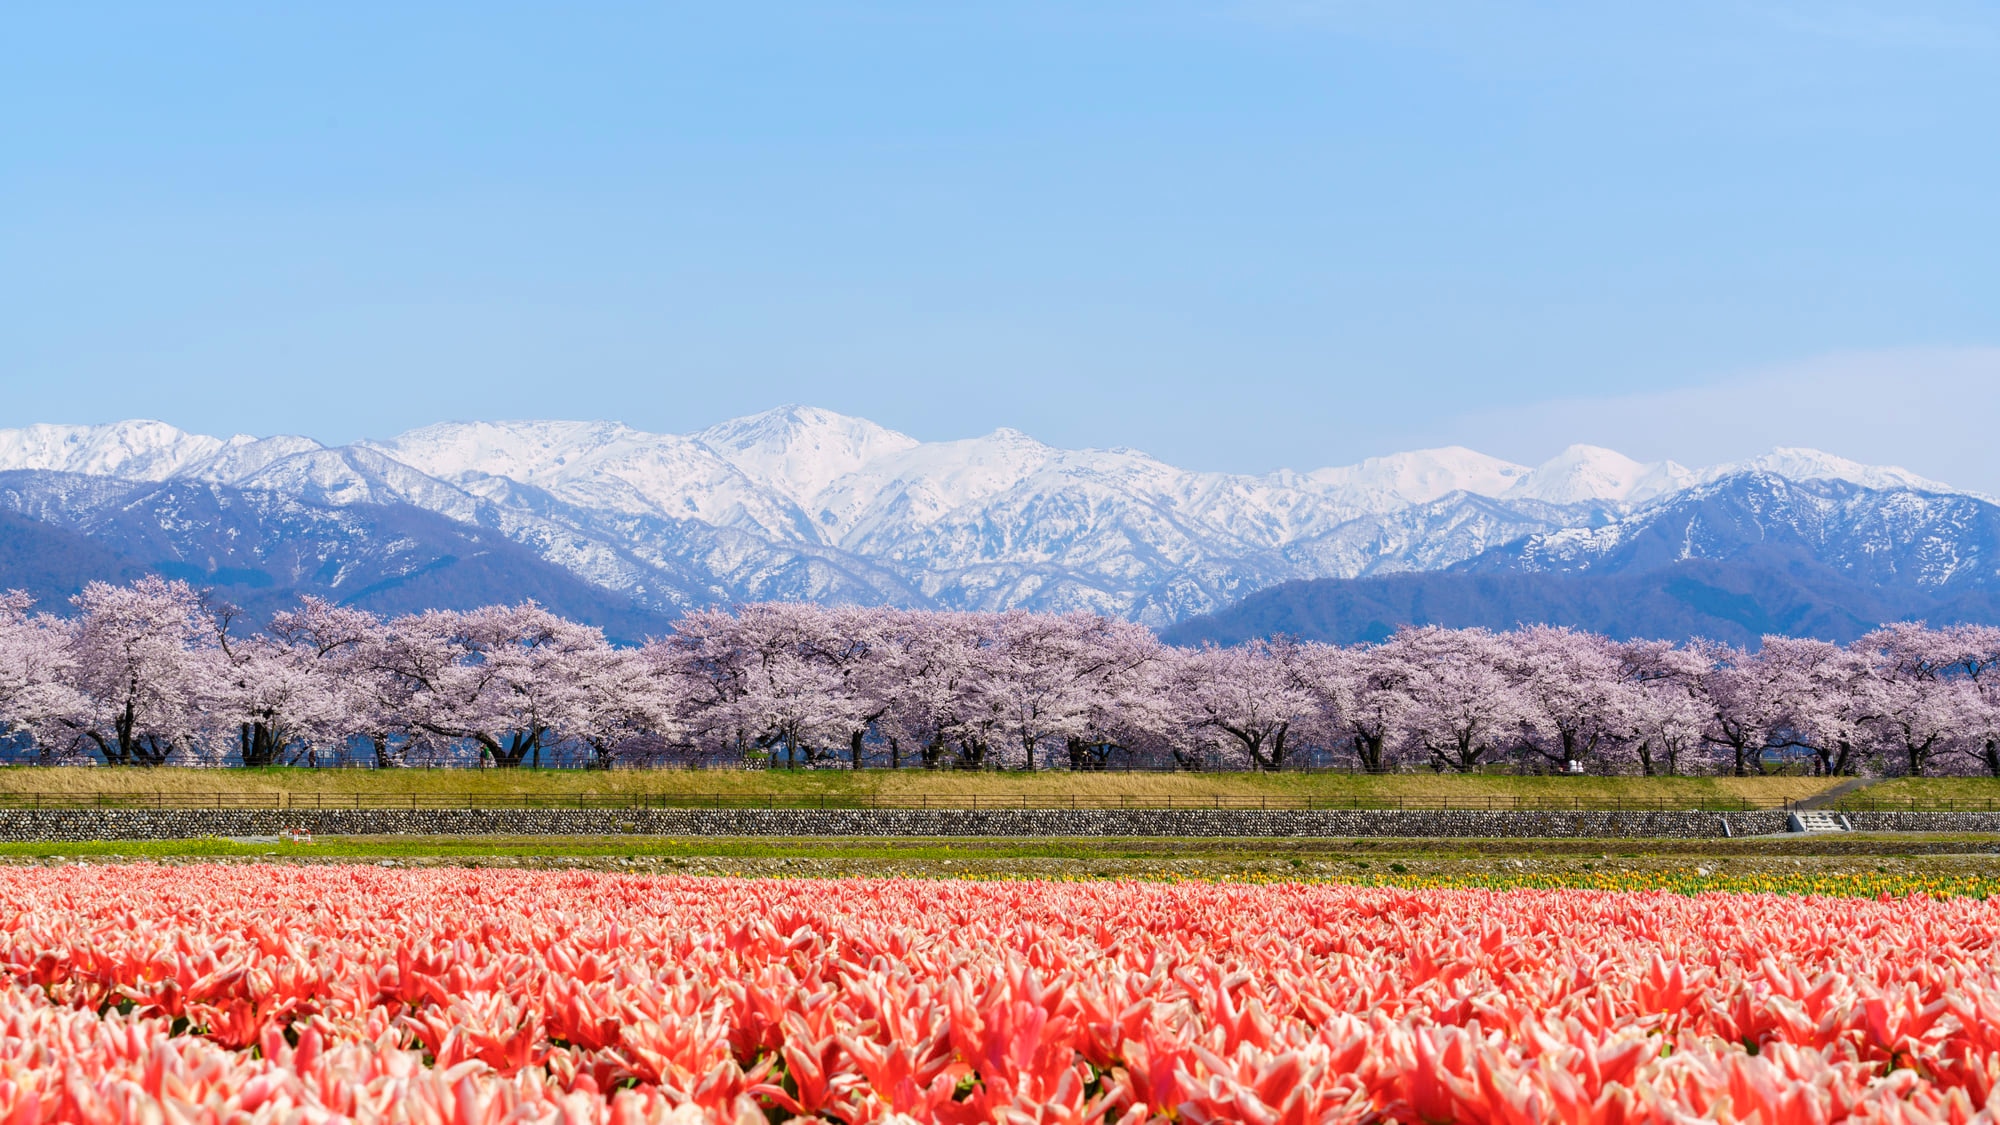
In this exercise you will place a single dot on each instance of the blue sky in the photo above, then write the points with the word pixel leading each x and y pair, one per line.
pixel 1238 236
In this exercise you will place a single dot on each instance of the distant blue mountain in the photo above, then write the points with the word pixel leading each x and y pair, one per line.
pixel 1731 560
pixel 261 551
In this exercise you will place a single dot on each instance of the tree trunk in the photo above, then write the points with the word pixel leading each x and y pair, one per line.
pixel 112 757
pixel 519 745
pixel 1368 751
pixel 127 745
pixel 1253 744
pixel 259 744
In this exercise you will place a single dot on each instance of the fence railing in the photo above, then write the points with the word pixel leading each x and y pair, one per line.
pixel 306 802
pixel 1915 804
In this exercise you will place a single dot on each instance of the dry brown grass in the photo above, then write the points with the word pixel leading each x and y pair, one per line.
pixel 1980 793
pixel 1052 786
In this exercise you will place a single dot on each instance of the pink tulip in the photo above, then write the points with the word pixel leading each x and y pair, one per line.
pixel 222 994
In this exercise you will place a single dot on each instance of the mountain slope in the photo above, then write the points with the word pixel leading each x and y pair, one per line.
pixel 1584 473
pixel 53 563
pixel 1900 539
pixel 261 550
pixel 800 502
pixel 1732 601
pixel 1733 559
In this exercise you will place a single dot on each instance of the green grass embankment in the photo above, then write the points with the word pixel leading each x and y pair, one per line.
pixel 1860 865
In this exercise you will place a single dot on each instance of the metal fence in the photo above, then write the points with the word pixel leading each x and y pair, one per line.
pixel 775 800
pixel 1915 804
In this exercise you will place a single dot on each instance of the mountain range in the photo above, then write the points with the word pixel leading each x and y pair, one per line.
pixel 1734 560
pixel 627 528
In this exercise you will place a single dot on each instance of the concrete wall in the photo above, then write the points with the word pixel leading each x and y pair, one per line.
pixel 151 824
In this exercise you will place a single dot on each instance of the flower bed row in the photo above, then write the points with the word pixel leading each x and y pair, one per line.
pixel 451 995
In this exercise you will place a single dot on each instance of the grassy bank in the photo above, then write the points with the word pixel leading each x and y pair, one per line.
pixel 1050 787
pixel 1976 793
pixel 1859 865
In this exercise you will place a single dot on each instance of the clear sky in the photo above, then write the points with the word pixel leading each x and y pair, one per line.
pixel 1238 236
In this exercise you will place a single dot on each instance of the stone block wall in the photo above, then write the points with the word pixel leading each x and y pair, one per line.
pixel 160 824
pixel 1924 821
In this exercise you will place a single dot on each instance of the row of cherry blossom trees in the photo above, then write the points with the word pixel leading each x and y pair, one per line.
pixel 153 673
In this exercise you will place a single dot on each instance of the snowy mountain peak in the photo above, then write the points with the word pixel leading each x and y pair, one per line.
pixel 801 450
pixel 605 466
pixel 1795 463
pixel 524 451
pixel 243 457
pixel 1379 484
pixel 139 449
pixel 1582 473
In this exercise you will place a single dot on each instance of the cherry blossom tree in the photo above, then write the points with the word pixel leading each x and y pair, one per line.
pixel 1124 707
pixel 1745 701
pixel 1462 704
pixel 37 671
pixel 347 650
pixel 853 646
pixel 1815 687
pixel 146 670
pixel 1914 698
pixel 283 696
pixel 1665 712
pixel 1980 741
pixel 706 653
pixel 151 673
pixel 1574 698
pixel 1247 697
pixel 630 707
pixel 1360 697
pixel 792 696
pixel 930 660
pixel 781 677
pixel 503 678
pixel 1053 683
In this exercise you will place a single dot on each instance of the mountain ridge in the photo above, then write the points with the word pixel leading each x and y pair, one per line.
pixel 801 502
pixel 1730 559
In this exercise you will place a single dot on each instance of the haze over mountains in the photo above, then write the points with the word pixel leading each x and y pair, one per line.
pixel 626 528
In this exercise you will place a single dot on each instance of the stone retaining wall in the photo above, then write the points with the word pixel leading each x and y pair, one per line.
pixel 1924 821
pixel 160 824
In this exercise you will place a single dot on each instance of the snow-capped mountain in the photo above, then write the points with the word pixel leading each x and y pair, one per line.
pixel 1585 473
pixel 1734 558
pixel 805 503
pixel 1811 464
pixel 800 452
pixel 1381 484
pixel 1892 538
pixel 136 450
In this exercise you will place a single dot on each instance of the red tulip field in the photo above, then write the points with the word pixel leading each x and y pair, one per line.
pixel 313 994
